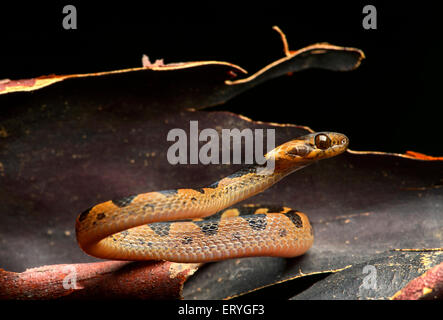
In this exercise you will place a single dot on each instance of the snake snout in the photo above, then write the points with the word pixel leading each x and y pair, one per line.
pixel 342 141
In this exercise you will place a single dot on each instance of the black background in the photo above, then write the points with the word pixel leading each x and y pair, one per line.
pixel 391 103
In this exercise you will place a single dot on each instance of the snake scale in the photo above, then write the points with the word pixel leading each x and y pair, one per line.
pixel 197 225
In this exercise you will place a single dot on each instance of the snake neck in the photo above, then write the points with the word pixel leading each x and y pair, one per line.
pixel 248 182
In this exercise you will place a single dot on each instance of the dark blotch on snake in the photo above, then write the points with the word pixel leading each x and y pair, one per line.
pixel 208 228
pixel 148 205
pixel 295 218
pixel 249 210
pixel 161 228
pixel 186 240
pixel 275 209
pixel 257 222
pixel 100 216
pixel 84 214
pixel 124 201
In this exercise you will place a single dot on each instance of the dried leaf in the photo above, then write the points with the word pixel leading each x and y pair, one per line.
pixel 378 278
pixel 104 280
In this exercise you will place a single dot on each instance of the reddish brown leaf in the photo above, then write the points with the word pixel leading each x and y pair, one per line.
pixel 428 286
pixel 111 279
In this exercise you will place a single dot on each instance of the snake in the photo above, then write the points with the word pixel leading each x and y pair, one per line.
pixel 202 224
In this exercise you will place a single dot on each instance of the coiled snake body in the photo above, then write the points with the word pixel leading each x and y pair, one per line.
pixel 144 226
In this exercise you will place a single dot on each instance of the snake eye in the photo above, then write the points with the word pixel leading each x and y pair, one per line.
pixel 322 141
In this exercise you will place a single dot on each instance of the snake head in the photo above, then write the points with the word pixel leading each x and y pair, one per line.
pixel 311 147
pixel 317 146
